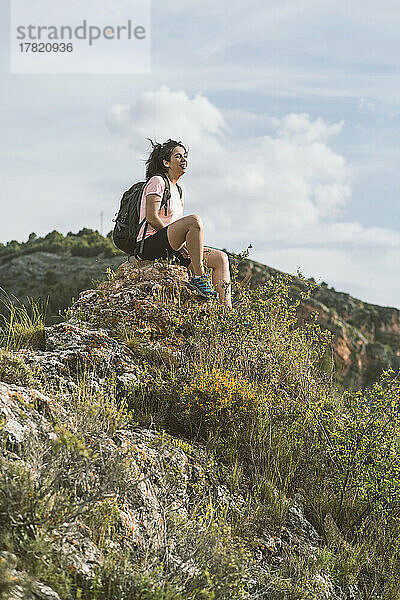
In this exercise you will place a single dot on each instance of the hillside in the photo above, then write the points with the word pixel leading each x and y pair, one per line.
pixel 366 336
pixel 56 267
pixel 154 447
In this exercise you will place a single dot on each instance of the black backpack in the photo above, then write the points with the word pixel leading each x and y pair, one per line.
pixel 127 224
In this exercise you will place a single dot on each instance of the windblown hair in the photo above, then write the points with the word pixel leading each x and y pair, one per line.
pixel 160 152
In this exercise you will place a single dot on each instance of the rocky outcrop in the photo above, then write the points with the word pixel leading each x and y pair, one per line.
pixel 152 481
pixel 72 350
pixel 165 473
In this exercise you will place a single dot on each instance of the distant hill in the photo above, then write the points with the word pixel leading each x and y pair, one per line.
pixel 57 267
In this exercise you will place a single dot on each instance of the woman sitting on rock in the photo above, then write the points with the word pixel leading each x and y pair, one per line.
pixel 168 233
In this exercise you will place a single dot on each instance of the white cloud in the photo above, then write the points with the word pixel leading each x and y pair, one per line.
pixel 301 129
pixel 330 197
pixel 366 105
pixel 163 114
pixel 269 184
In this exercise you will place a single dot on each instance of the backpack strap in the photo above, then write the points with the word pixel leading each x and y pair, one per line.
pixel 167 195
pixel 164 202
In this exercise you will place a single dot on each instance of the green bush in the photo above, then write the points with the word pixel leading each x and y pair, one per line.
pixel 13 369
pixel 362 452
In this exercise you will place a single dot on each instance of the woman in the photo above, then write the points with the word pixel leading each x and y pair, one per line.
pixel 172 234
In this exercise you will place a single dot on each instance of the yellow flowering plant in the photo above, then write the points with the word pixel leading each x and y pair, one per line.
pixel 219 400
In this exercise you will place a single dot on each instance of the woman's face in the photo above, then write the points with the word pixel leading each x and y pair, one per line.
pixel 178 162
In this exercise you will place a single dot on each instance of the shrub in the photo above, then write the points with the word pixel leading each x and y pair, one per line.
pixel 50 277
pixel 224 406
pixel 13 369
pixel 363 450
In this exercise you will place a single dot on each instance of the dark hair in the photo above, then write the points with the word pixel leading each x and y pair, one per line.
pixel 160 152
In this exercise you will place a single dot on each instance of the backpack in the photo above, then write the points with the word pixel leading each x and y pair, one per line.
pixel 127 224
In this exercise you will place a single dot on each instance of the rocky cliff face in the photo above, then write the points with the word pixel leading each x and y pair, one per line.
pixel 70 460
pixel 366 336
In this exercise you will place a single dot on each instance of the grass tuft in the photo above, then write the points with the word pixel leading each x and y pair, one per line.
pixel 23 325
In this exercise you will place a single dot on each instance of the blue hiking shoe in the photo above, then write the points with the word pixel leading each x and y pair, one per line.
pixel 202 285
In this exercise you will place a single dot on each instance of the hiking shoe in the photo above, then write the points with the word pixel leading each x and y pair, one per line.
pixel 202 285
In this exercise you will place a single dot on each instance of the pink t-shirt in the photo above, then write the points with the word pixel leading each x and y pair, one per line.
pixel 156 185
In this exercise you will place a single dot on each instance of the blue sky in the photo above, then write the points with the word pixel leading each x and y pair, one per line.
pixel 291 113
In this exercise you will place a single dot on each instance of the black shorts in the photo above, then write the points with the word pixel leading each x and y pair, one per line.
pixel 158 246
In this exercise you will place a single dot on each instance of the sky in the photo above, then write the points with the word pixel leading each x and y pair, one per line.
pixel 290 110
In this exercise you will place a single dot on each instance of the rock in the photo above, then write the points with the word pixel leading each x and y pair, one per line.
pixel 79 554
pixel 16 431
pixel 162 477
pixel 333 534
pixel 25 413
pixel 72 349
pixel 297 522
pixel 20 586
pixel 9 559
pixel 323 586
pixel 25 589
pixel 43 592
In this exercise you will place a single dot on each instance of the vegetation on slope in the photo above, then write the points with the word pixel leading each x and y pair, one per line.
pixel 84 243
pixel 55 268
pixel 260 403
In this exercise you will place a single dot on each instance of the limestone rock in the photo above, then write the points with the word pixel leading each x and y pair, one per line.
pixel 72 349
pixel 20 586
pixel 25 413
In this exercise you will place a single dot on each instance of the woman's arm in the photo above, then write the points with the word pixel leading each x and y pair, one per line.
pixel 152 207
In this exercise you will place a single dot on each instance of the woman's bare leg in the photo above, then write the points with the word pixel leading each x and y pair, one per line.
pixel 219 263
pixel 190 230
